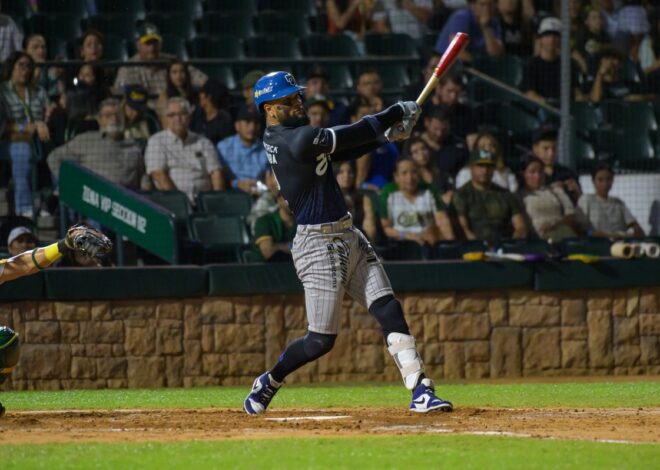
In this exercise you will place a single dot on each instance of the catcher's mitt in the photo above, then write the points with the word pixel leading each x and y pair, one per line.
pixel 88 241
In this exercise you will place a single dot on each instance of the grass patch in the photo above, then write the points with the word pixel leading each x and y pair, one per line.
pixel 377 452
pixel 588 395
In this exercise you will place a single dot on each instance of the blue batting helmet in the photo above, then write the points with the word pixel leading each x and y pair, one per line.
pixel 274 86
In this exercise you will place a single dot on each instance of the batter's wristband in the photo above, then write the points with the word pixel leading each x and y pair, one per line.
pixel 34 260
pixel 52 252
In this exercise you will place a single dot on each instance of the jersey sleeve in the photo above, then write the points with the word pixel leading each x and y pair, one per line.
pixel 459 203
pixel 307 142
pixel 262 229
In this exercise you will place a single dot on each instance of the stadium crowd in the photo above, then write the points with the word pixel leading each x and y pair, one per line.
pixel 173 126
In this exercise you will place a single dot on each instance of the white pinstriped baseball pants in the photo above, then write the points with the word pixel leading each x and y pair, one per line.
pixel 331 259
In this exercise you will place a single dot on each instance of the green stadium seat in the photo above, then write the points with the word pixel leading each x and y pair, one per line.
pixel 390 44
pixel 583 152
pixel 340 77
pixel 278 22
pixel 174 45
pixel 216 47
pixel 532 246
pixel 61 26
pixel 330 45
pixel 74 7
pixel 224 73
pixel 587 116
pixel 190 8
pixel 223 239
pixel 393 75
pixel 115 24
pixel 225 203
pixel 126 7
pixel 245 7
pixel 299 6
pixel 56 47
pixel 174 24
pixel 630 115
pixel 401 251
pixel 176 202
pixel 19 10
pixel 634 150
pixel 280 45
pixel 595 246
pixel 232 23
pixel 630 72
pixel 507 69
pixel 515 120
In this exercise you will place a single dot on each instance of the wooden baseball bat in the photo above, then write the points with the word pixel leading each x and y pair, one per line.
pixel 457 44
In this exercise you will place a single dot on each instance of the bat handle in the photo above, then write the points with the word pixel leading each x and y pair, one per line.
pixel 430 85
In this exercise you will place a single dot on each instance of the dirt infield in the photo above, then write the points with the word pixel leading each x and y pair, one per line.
pixel 165 425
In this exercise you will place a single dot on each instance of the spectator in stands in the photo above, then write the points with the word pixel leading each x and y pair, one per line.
pixel 412 213
pixel 412 90
pixel 550 211
pixel 516 20
pixel 461 118
pixel 91 50
pixel 266 202
pixel 369 87
pixel 139 123
pixel 448 152
pixel 20 240
pixel 317 84
pixel 402 16
pixel 352 17
pixel 631 26
pixel 274 232
pixel 502 175
pixel 318 110
pixel 418 151
pixel 105 151
pixel 178 84
pixel 81 111
pixel 211 118
pixel 177 158
pixel 375 169
pixel 649 56
pixel 541 75
pixel 609 11
pixel 609 216
pixel 608 84
pixel 247 86
pixel 590 40
pixel 35 46
pixel 544 148
pixel 11 38
pixel 242 156
pixel 360 206
pixel 152 78
pixel 24 106
pixel 485 210
pixel 480 22
pixel 93 78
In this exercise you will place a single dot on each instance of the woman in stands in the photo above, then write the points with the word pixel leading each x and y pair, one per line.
pixel 24 105
pixel 502 176
pixel 360 207
pixel 419 152
pixel 91 50
pixel 352 17
pixel 179 83
pixel 549 209
pixel 35 46
pixel 412 213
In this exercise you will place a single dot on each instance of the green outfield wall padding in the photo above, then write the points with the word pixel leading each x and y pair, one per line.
pixel 242 279
pixel 25 288
pixel 605 274
pixel 126 283
pixel 460 275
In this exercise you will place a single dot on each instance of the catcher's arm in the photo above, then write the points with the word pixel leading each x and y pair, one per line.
pixel 79 238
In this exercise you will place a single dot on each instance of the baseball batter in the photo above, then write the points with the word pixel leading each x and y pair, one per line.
pixel 331 256
pixel 79 238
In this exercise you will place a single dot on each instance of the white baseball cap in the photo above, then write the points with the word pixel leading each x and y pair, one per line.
pixel 548 25
pixel 17 232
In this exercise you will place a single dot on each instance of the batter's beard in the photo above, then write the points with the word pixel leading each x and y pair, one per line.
pixel 296 121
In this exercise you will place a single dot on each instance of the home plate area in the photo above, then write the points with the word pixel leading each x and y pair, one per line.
pixel 168 425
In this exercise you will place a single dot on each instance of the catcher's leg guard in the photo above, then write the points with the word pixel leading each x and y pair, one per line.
pixel 403 350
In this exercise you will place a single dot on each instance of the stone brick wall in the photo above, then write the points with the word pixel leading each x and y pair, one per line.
pixel 228 341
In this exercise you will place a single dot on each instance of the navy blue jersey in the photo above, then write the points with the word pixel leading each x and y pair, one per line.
pixel 301 159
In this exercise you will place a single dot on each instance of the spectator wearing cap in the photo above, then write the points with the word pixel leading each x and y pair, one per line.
pixel 317 83
pixel 242 155
pixel 402 16
pixel 541 75
pixel 152 77
pixel 105 151
pixel 139 123
pixel 502 176
pixel 481 23
pixel 485 210
pixel 544 147
pixel 318 110
pixel 211 118
pixel 178 159
pixel 247 86
pixel 20 240
pixel 448 152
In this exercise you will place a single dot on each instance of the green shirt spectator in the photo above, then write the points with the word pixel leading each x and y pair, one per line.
pixel 273 233
pixel 485 210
